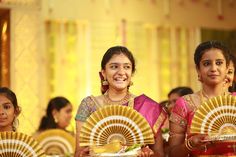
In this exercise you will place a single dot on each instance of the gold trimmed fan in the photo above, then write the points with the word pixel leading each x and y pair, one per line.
pixel 217 118
pixel 19 144
pixel 116 123
pixel 56 142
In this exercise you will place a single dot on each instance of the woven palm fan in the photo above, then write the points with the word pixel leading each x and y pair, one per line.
pixel 217 118
pixel 116 123
pixel 56 142
pixel 19 144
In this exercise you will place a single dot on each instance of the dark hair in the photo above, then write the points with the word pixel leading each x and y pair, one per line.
pixel 164 104
pixel 181 91
pixel 48 121
pixel 204 46
pixel 233 59
pixel 116 50
pixel 12 97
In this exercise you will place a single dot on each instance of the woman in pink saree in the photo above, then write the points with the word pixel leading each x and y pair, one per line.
pixel 211 60
pixel 118 66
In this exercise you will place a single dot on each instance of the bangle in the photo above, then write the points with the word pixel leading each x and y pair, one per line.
pixel 188 145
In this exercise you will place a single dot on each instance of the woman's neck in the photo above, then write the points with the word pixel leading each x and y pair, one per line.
pixel 115 95
pixel 6 128
pixel 112 97
pixel 212 91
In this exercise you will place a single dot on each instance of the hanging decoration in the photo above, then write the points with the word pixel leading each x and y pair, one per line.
pixel 220 10
pixel 123 31
pixel 207 3
pixel 123 1
pixel 50 6
pixel 153 2
pixel 231 3
pixel 166 8
pixel 181 2
pixel 24 3
pixel 107 6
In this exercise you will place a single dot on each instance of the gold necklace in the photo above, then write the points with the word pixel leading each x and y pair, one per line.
pixel 203 96
pixel 108 101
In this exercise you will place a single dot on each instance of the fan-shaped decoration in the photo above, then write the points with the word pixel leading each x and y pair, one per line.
pixel 217 118
pixel 56 142
pixel 116 123
pixel 19 144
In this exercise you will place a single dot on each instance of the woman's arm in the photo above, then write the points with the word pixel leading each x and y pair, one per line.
pixel 82 114
pixel 80 151
pixel 177 146
pixel 154 150
pixel 158 146
pixel 181 146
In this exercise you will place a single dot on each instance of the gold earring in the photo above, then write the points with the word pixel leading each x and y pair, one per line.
pixel 131 83
pixel 104 82
pixel 15 124
pixel 199 78
pixel 55 119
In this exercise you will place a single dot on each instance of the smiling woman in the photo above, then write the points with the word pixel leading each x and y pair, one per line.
pixel 117 69
pixel 9 110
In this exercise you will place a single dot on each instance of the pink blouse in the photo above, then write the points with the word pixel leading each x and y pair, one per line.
pixel 182 114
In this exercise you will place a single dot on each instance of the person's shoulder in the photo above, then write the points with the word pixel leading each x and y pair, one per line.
pixel 188 101
pixel 36 134
pixel 89 98
pixel 146 98
pixel 93 100
pixel 190 96
pixel 233 93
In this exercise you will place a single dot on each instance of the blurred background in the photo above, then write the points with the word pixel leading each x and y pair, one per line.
pixel 54 47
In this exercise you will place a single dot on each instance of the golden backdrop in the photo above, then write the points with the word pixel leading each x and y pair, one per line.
pixel 69 67
pixel 164 56
pixel 63 57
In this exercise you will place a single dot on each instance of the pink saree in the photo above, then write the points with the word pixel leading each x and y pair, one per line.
pixel 182 114
pixel 147 107
pixel 151 111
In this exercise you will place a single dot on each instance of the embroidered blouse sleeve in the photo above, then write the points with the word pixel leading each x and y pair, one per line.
pixel 86 108
pixel 179 113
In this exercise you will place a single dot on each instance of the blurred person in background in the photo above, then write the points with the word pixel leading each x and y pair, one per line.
pixel 231 75
pixel 173 95
pixel 58 115
pixel 9 110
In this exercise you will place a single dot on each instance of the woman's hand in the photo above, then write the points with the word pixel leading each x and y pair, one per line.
pixel 83 152
pixel 198 141
pixel 146 152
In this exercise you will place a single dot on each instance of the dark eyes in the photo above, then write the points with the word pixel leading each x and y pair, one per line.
pixel 219 62
pixel 113 66
pixel 7 106
pixel 116 66
pixel 207 63
pixel 127 67
pixel 230 72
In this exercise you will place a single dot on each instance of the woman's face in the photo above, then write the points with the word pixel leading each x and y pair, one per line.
pixel 213 67
pixel 230 73
pixel 7 114
pixel 118 72
pixel 64 116
pixel 172 99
